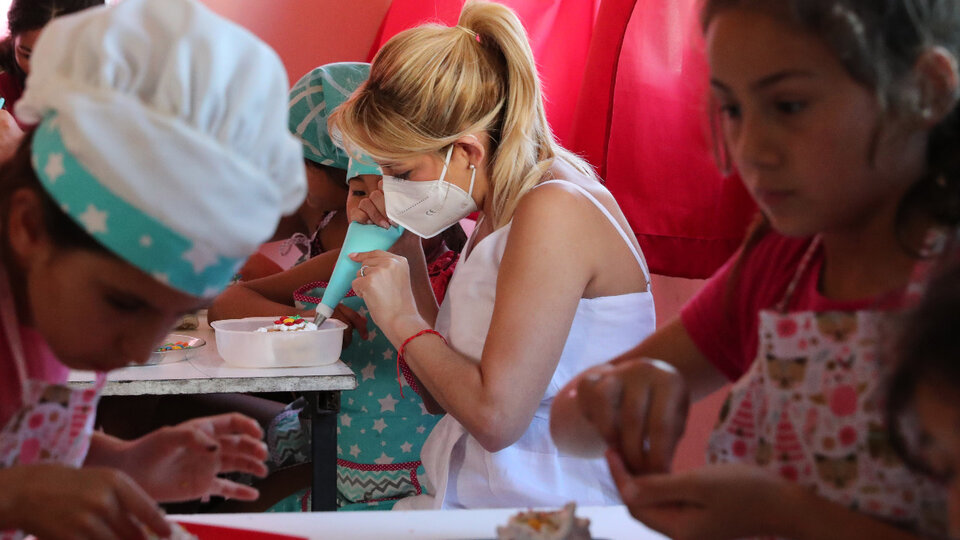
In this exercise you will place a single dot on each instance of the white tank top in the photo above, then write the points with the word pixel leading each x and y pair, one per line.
pixel 531 472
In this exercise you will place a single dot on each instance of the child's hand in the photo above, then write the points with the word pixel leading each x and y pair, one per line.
pixel 182 462
pixel 371 209
pixel 10 135
pixel 640 408
pixel 353 320
pixel 57 502
pixel 716 502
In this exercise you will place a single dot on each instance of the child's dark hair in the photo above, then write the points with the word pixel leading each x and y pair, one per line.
pixel 28 15
pixel 927 352
pixel 17 173
pixel 336 175
pixel 879 43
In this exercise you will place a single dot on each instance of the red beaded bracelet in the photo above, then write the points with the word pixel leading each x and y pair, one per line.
pixel 402 366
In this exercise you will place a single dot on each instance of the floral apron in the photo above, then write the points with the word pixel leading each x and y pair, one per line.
pixel 811 409
pixel 55 423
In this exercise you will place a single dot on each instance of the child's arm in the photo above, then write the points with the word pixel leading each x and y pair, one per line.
pixel 736 501
pixel 10 135
pixel 272 295
pixel 183 462
pixel 57 502
pixel 633 403
pixel 259 266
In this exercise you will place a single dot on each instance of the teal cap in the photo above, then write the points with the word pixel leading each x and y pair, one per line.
pixel 312 100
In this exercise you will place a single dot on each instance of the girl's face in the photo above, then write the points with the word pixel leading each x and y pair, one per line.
pixel 97 312
pixel 804 135
pixel 324 192
pixel 23 48
pixel 938 412
pixel 359 188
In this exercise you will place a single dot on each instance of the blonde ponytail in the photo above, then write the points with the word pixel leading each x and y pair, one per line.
pixel 432 84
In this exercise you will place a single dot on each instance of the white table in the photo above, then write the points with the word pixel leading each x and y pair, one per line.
pixel 204 372
pixel 610 522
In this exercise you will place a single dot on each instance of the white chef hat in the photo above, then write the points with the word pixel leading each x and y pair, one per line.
pixel 163 132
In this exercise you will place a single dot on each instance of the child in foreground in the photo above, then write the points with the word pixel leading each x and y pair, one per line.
pixel 141 191
pixel 841 117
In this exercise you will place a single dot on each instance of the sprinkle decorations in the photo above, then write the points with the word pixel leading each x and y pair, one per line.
pixel 290 320
pixel 289 323
pixel 175 346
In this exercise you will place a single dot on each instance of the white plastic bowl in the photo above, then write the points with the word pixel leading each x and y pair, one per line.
pixel 240 345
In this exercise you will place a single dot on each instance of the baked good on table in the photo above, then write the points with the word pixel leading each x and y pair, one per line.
pixel 189 321
pixel 539 525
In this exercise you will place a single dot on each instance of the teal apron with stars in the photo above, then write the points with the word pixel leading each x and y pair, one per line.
pixel 379 433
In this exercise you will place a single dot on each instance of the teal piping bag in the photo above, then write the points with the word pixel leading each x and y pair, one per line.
pixel 360 238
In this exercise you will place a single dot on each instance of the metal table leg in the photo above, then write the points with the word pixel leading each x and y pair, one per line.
pixel 323 407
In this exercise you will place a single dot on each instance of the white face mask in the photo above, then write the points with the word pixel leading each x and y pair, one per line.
pixel 427 208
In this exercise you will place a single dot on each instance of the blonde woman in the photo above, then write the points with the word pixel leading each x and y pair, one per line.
pixel 551 282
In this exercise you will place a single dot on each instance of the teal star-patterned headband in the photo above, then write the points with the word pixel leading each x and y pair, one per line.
pixel 364 165
pixel 121 227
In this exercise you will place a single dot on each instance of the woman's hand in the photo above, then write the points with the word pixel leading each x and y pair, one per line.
pixel 715 502
pixel 56 502
pixel 384 284
pixel 183 462
pixel 639 408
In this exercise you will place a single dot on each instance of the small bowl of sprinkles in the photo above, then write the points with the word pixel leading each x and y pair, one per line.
pixel 174 348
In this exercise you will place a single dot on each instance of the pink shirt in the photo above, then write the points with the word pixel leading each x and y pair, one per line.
pixel 724 324
pixel 41 365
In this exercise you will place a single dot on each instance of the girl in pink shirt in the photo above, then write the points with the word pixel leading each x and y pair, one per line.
pixel 841 118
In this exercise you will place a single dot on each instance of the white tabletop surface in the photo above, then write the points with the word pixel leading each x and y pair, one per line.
pixel 204 372
pixel 610 522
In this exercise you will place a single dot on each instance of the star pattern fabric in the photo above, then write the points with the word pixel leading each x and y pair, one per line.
pixel 137 237
pixel 380 435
